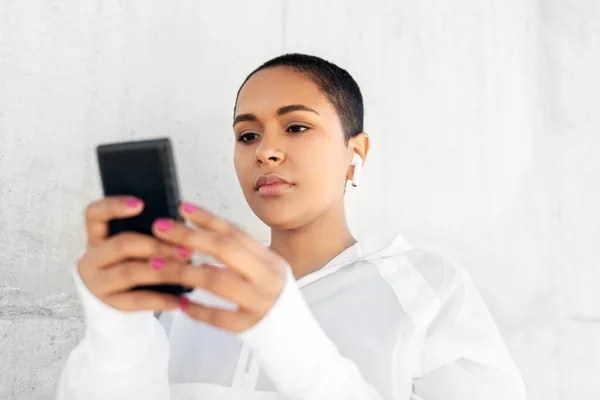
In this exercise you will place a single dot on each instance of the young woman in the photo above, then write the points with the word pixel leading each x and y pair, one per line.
pixel 316 314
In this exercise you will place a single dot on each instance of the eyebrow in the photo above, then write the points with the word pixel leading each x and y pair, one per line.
pixel 280 111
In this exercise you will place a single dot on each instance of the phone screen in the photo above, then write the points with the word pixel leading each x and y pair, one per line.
pixel 144 169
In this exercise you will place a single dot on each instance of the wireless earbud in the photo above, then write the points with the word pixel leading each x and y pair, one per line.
pixel 357 163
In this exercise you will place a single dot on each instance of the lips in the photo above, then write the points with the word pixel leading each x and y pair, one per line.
pixel 270 179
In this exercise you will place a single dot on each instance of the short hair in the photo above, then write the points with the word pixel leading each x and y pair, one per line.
pixel 335 82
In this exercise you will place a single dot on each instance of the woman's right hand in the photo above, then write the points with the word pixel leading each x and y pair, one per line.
pixel 111 266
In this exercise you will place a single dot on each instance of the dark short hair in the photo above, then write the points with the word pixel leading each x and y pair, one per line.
pixel 335 82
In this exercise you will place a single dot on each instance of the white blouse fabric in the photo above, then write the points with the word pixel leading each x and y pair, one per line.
pixel 382 320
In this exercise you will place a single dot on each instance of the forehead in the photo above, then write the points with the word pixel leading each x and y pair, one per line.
pixel 272 88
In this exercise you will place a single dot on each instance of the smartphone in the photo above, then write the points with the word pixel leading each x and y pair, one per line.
pixel 144 169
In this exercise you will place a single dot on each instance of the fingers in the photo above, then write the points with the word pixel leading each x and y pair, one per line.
pixel 99 213
pixel 127 275
pixel 222 247
pixel 234 321
pixel 220 281
pixel 209 221
pixel 109 255
pixel 222 240
pixel 113 284
pixel 142 300
pixel 111 266
pixel 226 284
pixel 130 245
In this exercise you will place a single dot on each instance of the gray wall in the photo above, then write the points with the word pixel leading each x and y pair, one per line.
pixel 480 113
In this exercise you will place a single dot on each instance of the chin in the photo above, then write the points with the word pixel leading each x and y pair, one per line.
pixel 279 216
pixel 281 221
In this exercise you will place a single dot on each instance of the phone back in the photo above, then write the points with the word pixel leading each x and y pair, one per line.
pixel 145 169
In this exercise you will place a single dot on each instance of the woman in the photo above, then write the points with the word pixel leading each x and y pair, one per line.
pixel 316 314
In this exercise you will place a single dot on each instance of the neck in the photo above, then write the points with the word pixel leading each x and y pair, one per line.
pixel 312 246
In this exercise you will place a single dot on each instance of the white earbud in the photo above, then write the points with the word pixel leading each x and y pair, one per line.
pixel 357 163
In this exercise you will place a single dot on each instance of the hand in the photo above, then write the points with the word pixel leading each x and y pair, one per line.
pixel 110 267
pixel 253 278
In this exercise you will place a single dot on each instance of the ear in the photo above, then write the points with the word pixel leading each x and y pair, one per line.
pixel 358 144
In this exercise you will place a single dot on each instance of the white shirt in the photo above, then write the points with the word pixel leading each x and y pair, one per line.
pixel 382 320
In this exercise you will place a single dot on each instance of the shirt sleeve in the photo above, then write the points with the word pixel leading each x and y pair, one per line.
pixel 462 354
pixel 302 362
pixel 123 355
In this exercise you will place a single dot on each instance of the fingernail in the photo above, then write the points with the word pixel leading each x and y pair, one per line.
pixel 188 207
pixel 157 263
pixel 183 252
pixel 133 202
pixel 183 303
pixel 163 225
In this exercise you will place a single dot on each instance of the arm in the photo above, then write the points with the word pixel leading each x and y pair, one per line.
pixel 123 355
pixel 462 352
pixel 299 357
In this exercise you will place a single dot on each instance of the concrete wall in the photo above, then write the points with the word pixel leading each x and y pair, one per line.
pixel 480 111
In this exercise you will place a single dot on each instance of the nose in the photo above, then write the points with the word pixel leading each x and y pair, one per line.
pixel 269 152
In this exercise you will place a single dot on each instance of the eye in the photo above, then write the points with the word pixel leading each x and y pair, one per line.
pixel 294 128
pixel 247 137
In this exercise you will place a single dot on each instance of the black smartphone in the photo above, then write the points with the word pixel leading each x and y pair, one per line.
pixel 144 169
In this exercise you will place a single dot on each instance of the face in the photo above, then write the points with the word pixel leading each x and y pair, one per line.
pixel 285 126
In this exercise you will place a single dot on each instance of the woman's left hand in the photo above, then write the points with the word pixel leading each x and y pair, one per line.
pixel 253 279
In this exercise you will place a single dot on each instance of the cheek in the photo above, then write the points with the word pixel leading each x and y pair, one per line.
pixel 323 169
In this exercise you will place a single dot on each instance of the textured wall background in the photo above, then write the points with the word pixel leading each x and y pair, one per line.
pixel 481 114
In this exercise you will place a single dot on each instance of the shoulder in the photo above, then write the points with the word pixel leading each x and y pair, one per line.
pixel 440 273
pixel 397 260
pixel 422 280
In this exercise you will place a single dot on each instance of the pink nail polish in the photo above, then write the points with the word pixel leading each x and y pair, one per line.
pixel 133 202
pixel 163 225
pixel 183 303
pixel 183 252
pixel 157 263
pixel 188 207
